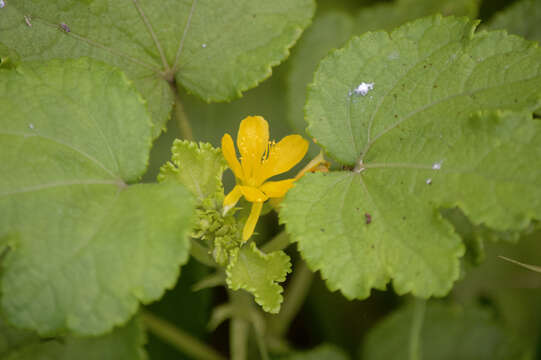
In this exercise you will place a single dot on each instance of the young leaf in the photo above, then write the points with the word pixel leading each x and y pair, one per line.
pixel 85 246
pixel 198 167
pixel 125 343
pixel 425 135
pixel 446 332
pixel 212 48
pixel 521 18
pixel 257 272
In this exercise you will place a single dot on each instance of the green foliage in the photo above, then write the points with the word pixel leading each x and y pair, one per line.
pixel 198 167
pixel 257 272
pixel 446 332
pixel 194 42
pixel 86 247
pixel 427 136
pixel 125 343
pixel 521 18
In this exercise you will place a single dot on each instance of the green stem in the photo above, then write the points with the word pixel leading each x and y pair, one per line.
pixel 279 242
pixel 180 115
pixel 294 297
pixel 238 338
pixel 182 341
pixel 416 327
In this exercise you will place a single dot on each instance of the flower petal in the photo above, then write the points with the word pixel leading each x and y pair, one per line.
pixel 253 194
pixel 232 198
pixel 252 140
pixel 249 226
pixel 283 156
pixel 276 189
pixel 230 155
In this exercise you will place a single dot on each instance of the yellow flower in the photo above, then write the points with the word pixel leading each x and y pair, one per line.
pixel 259 160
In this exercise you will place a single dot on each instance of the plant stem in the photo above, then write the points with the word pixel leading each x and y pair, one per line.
pixel 239 326
pixel 279 242
pixel 294 297
pixel 416 327
pixel 238 338
pixel 180 114
pixel 181 340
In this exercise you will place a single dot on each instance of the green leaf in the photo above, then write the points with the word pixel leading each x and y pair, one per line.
pixel 332 29
pixel 258 273
pixel 521 18
pixel 427 136
pixel 447 332
pixel 125 343
pixel 198 167
pixel 212 48
pixel 87 247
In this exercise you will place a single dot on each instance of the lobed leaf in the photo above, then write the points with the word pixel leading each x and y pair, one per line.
pixel 212 48
pixel 86 247
pixel 258 273
pixel 428 135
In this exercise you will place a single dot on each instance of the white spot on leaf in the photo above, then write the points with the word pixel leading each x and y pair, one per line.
pixel 203 46
pixel 363 88
pixel 428 181
pixel 31 126
pixel 437 165
pixel 27 21
pixel 2 4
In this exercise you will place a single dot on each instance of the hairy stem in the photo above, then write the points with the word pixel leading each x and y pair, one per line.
pixel 179 339
pixel 294 298
pixel 416 327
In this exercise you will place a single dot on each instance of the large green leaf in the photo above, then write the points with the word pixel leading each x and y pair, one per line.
pixel 331 29
pixel 86 247
pixel 212 48
pixel 442 332
pixel 427 135
pixel 125 343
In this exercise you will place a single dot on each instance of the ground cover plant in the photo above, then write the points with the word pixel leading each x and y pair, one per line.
pixel 297 179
